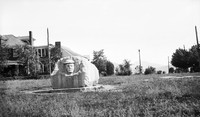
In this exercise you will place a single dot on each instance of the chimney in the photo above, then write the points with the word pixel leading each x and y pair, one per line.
pixel 30 38
pixel 58 46
pixel 0 40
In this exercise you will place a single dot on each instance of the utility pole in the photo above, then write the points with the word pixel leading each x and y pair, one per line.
pixel 140 67
pixel 197 45
pixel 168 64
pixel 184 47
pixel 49 53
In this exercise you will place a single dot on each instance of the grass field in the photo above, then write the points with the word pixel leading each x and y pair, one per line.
pixel 141 95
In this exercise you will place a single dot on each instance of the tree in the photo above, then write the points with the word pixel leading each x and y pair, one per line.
pixel 171 70
pixel 181 59
pixel 99 60
pixel 159 72
pixel 124 69
pixel 127 66
pixel 26 55
pixel 194 59
pixel 150 70
pixel 3 56
pixel 109 68
pixel 55 56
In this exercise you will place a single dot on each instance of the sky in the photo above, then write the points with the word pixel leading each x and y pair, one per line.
pixel 120 27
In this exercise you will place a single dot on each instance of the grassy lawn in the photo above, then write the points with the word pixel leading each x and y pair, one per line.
pixel 141 95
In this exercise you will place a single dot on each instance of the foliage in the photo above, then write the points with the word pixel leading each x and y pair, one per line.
pixel 99 60
pixel 138 97
pixel 194 59
pixel 171 70
pixel 159 72
pixel 55 56
pixel 184 59
pixel 150 70
pixel 3 55
pixel 26 55
pixel 181 59
pixel 109 68
pixel 124 69
pixel 104 66
pixel 181 70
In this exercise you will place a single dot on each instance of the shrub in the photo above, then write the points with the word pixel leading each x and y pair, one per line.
pixel 109 68
pixel 99 60
pixel 171 70
pixel 150 70
pixel 159 72
pixel 104 66
pixel 124 69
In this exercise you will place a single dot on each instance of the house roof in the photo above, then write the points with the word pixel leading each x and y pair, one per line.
pixel 24 38
pixel 11 40
pixel 68 52
pixel 65 50
pixel 44 46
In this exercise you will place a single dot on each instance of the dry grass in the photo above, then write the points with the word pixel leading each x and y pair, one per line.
pixel 143 96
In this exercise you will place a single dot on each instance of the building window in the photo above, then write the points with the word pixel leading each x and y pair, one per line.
pixel 36 52
pixel 43 52
pixel 42 65
pixel 46 51
pixel 39 52
pixel 15 53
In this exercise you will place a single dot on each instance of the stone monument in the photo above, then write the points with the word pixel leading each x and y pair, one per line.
pixel 74 72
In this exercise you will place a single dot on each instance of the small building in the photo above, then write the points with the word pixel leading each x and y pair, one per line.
pixel 12 66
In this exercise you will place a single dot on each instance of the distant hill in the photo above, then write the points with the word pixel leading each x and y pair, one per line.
pixel 146 64
pixel 163 68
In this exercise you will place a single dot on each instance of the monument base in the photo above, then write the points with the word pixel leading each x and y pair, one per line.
pixel 97 88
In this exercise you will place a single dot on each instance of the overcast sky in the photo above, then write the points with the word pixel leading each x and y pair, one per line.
pixel 120 27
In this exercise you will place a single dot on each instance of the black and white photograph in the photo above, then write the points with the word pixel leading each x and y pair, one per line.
pixel 99 58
